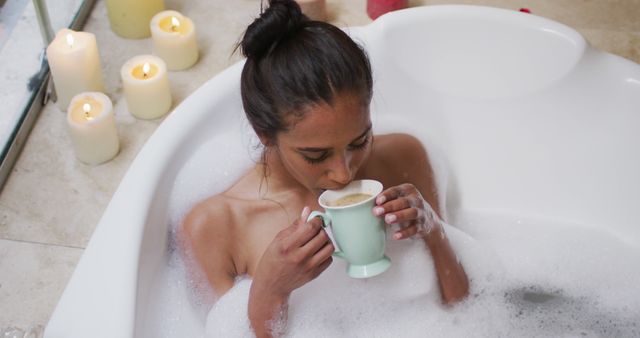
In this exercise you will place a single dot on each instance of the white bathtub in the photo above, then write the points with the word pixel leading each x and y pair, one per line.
pixel 532 121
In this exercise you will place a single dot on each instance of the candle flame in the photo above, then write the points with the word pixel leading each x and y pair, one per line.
pixel 145 69
pixel 175 23
pixel 87 108
pixel 70 40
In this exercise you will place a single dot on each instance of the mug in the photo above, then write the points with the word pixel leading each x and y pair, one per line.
pixel 359 234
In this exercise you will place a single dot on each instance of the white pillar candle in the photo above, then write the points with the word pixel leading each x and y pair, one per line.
pixel 130 18
pixel 75 65
pixel 314 9
pixel 146 86
pixel 174 39
pixel 92 127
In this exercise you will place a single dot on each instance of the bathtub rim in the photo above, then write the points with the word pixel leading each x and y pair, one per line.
pixel 120 318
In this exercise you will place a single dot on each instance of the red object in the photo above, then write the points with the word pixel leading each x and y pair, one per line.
pixel 375 8
pixel 525 10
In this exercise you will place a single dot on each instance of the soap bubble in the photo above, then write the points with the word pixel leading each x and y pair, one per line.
pixel 529 277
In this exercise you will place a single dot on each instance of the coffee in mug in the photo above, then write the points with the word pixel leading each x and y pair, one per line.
pixel 359 234
pixel 349 199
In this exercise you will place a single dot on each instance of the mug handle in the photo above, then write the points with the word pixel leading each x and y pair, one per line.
pixel 326 221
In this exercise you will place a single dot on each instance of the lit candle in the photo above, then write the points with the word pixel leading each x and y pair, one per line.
pixel 75 65
pixel 130 18
pixel 146 86
pixel 92 127
pixel 314 9
pixel 174 39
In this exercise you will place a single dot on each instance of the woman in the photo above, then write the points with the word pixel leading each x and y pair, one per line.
pixel 306 89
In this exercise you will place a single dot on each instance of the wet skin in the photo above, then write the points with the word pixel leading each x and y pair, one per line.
pixel 255 228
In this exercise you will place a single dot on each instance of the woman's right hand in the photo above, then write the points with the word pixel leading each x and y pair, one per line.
pixel 297 255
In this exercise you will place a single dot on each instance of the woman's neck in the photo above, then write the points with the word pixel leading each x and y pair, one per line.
pixel 277 182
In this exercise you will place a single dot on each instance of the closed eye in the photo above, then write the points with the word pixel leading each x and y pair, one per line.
pixel 320 154
pixel 316 159
pixel 361 144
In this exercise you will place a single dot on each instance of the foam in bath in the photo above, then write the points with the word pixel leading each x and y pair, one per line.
pixel 502 302
pixel 529 277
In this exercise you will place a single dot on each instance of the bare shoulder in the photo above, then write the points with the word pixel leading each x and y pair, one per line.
pixel 399 157
pixel 207 233
pixel 402 158
pixel 395 146
pixel 208 217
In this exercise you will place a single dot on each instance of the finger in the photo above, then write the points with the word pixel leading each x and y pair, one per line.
pixel 404 215
pixel 316 243
pixel 316 222
pixel 391 206
pixel 388 195
pixel 305 214
pixel 322 254
pixel 406 232
pixel 323 266
pixel 307 231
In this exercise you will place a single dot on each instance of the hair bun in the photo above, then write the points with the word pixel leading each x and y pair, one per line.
pixel 281 18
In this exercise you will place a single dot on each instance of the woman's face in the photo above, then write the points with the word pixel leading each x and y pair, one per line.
pixel 328 145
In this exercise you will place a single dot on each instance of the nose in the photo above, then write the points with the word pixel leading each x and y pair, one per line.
pixel 340 170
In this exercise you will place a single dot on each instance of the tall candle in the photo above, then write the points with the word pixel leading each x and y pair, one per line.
pixel 146 86
pixel 75 65
pixel 92 127
pixel 130 18
pixel 314 9
pixel 174 39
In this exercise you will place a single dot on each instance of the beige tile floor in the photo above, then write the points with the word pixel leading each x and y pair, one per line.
pixel 51 202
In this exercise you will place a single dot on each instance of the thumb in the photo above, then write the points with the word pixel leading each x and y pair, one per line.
pixel 303 216
pixel 306 211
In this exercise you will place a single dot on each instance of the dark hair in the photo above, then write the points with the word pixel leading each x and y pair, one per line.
pixel 293 63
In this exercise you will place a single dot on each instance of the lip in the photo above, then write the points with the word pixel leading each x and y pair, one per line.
pixel 338 187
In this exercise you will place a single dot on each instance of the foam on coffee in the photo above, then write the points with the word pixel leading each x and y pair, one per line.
pixel 349 200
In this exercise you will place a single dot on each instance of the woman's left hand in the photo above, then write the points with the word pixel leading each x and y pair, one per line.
pixel 403 205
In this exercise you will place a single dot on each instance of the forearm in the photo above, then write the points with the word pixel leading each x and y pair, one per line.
pixel 452 279
pixel 267 312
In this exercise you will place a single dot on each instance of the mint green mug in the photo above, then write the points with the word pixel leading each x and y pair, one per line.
pixel 359 234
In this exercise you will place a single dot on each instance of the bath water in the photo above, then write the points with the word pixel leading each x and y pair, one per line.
pixel 530 277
